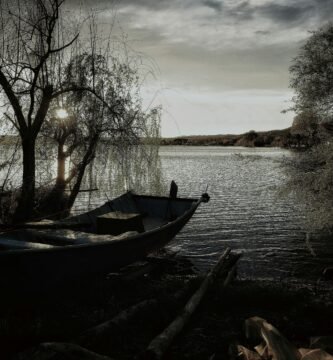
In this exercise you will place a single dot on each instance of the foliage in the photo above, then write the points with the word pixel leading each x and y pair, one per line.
pixel 310 178
pixel 312 74
pixel 307 130
pixel 310 172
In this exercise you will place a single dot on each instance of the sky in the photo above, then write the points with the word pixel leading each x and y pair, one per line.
pixel 219 66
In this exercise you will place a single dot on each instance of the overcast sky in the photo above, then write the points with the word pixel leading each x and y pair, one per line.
pixel 221 66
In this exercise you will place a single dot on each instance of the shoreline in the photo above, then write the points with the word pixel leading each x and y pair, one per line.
pixel 297 312
pixel 273 138
pixel 283 138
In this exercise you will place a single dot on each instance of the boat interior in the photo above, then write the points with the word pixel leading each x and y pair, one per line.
pixel 117 219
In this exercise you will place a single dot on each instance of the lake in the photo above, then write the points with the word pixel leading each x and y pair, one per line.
pixel 247 212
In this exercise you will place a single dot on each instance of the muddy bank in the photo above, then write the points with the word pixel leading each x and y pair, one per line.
pixel 64 315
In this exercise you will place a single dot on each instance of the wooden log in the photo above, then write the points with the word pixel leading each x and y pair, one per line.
pixel 60 351
pixel 230 268
pixel 97 333
pixel 230 275
pixel 159 344
pixel 104 331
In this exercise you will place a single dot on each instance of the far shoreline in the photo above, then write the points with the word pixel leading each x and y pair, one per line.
pixel 273 138
pixel 283 138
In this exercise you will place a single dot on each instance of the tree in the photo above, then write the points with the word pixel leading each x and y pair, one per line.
pixel 306 130
pixel 311 172
pixel 88 124
pixel 35 49
pixel 312 75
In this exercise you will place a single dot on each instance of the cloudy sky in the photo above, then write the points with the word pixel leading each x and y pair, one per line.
pixel 221 66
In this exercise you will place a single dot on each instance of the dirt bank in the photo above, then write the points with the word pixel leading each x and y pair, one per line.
pixel 298 312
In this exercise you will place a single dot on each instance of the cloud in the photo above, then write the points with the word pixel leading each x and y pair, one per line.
pixel 214 46
pixel 286 13
pixel 325 9
pixel 213 4
pixel 262 32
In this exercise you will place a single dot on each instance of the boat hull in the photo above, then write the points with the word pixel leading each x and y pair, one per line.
pixel 33 269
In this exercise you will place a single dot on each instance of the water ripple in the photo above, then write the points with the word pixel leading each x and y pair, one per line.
pixel 245 211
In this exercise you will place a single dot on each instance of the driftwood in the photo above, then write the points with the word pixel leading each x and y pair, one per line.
pixel 91 339
pixel 106 330
pixel 97 333
pixel 60 351
pixel 158 346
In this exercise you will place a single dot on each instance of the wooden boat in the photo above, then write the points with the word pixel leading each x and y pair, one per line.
pixel 93 242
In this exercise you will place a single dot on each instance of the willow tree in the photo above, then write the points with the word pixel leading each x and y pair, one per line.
pixel 88 123
pixel 34 51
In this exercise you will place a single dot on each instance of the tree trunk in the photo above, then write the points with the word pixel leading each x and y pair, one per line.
pixel 60 182
pixel 24 210
pixel 88 157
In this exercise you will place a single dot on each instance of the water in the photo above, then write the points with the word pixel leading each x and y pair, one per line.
pixel 247 212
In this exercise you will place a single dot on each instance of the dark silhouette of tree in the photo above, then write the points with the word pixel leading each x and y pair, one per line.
pixel 30 57
pixel 43 65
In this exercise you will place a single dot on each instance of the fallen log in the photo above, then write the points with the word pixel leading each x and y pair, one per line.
pixel 96 335
pixel 159 344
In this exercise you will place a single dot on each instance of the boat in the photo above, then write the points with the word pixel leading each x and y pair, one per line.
pixel 118 233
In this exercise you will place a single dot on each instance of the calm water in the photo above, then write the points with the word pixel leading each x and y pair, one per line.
pixel 246 212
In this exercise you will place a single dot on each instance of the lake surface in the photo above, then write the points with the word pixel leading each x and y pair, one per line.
pixel 247 212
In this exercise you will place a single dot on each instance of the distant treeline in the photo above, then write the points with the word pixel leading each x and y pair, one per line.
pixel 273 138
